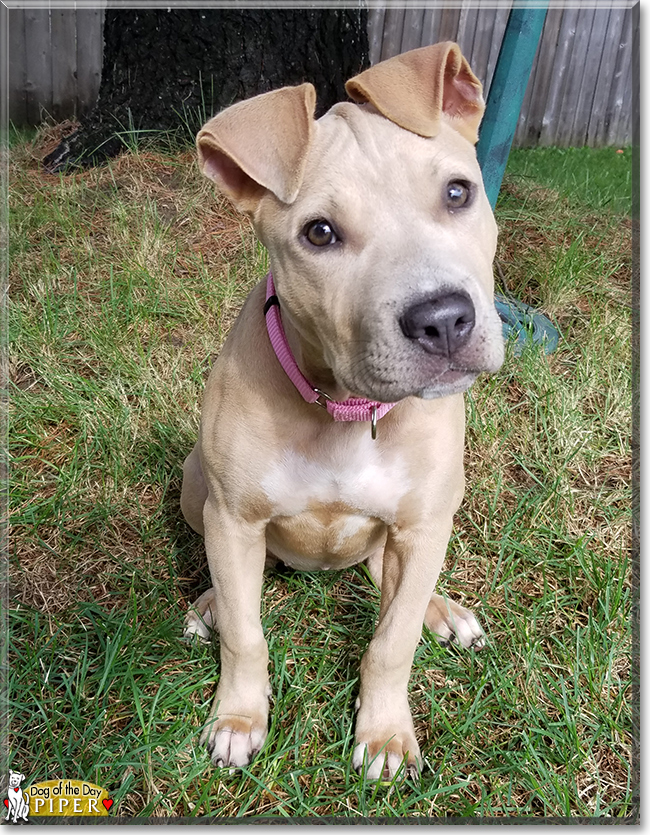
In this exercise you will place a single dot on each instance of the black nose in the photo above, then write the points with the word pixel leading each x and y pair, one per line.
pixel 442 324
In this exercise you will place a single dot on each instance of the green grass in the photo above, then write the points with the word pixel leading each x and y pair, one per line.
pixel 596 178
pixel 123 282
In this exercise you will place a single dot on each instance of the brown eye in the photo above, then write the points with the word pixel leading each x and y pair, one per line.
pixel 457 194
pixel 320 233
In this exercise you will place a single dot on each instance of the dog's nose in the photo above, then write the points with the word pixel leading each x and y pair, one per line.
pixel 442 324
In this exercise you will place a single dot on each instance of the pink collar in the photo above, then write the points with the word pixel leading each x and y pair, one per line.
pixel 354 408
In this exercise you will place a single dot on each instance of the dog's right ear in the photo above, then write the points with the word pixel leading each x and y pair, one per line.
pixel 259 145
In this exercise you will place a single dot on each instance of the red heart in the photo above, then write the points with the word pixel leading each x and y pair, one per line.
pixel 107 803
pixel 6 803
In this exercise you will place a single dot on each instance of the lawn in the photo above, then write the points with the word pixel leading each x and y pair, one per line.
pixel 123 281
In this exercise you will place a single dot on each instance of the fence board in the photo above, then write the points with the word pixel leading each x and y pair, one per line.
pixel 38 67
pixel 500 22
pixel 574 76
pixel 63 53
pixel 90 45
pixel 430 27
pixel 17 77
pixel 483 39
pixel 393 24
pixel 375 33
pixel 4 85
pixel 466 30
pixel 412 34
pixel 633 126
pixel 560 72
pixel 623 134
pixel 596 124
pixel 531 119
pixel 621 86
pixel 586 95
pixel 448 24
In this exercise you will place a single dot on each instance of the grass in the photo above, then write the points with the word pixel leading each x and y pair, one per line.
pixel 123 282
pixel 598 178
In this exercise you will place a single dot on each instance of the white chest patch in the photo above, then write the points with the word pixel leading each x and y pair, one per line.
pixel 355 474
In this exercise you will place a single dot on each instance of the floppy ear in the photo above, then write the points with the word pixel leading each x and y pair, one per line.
pixel 259 145
pixel 418 88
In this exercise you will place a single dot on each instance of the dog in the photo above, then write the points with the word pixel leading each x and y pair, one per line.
pixel 332 427
pixel 17 805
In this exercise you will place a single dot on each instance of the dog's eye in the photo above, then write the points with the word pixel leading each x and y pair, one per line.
pixel 320 233
pixel 457 194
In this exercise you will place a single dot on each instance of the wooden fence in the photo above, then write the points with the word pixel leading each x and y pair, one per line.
pixel 580 87
pixel 55 62
pixel 579 93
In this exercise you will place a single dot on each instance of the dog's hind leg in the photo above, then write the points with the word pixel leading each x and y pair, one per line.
pixel 449 621
pixel 200 619
pixel 194 491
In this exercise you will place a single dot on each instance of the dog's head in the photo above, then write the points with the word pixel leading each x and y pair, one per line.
pixel 15 779
pixel 380 235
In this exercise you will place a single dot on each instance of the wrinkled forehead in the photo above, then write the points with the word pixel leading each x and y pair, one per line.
pixel 361 165
pixel 353 143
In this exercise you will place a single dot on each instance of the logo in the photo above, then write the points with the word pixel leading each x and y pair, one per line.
pixel 16 801
pixel 55 798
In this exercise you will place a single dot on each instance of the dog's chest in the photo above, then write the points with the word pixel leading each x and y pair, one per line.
pixel 358 475
pixel 331 509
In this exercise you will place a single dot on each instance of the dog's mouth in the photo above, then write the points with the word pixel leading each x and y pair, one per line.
pixel 456 375
pixel 450 380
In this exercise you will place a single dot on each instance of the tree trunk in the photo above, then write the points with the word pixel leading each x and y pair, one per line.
pixel 171 70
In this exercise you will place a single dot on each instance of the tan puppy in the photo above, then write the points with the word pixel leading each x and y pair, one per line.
pixel 381 242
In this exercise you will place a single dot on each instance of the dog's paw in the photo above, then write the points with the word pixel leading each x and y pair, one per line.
pixel 386 744
pixel 200 618
pixel 452 623
pixel 237 727
pixel 233 740
pixel 383 760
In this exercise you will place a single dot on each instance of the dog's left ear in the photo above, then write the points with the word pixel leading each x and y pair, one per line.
pixel 418 88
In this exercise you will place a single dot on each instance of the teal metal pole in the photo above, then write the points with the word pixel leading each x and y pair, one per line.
pixel 506 95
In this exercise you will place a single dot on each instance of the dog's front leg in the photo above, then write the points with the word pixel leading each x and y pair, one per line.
pixel 384 727
pixel 236 551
